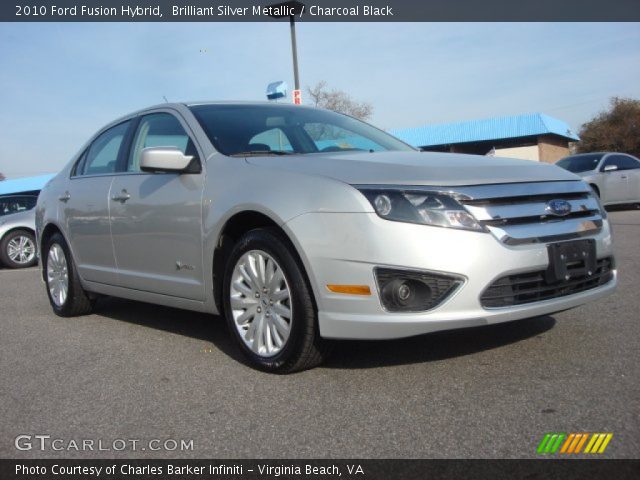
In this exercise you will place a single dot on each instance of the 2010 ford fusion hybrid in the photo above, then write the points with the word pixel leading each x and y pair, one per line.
pixel 301 225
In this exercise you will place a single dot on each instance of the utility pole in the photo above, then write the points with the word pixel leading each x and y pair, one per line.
pixel 292 9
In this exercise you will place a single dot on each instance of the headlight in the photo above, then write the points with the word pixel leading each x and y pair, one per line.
pixel 427 208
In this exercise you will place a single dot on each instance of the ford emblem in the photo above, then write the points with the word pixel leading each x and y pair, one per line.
pixel 557 207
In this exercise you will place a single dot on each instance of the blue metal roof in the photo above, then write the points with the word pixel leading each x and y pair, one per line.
pixel 25 184
pixel 498 128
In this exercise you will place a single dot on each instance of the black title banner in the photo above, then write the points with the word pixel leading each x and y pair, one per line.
pixel 284 469
pixel 320 10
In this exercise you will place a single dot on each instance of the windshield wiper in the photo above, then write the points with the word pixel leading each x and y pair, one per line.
pixel 253 153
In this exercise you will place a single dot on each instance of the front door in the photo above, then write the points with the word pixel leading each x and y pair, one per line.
pixel 616 187
pixel 632 171
pixel 156 218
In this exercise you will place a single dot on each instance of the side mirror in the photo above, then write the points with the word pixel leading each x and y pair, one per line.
pixel 164 159
pixel 610 168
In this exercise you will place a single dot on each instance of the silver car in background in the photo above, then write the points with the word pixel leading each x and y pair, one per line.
pixel 301 225
pixel 17 231
pixel 615 177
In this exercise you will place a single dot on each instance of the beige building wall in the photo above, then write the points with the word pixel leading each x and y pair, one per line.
pixel 525 153
pixel 552 148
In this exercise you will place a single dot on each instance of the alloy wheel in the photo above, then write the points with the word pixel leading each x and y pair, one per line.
pixel 21 250
pixel 57 275
pixel 261 303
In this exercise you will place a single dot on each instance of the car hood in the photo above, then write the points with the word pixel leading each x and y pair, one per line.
pixel 415 168
pixel 26 217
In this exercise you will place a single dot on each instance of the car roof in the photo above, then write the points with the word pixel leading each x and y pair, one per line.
pixel 588 153
pixel 219 102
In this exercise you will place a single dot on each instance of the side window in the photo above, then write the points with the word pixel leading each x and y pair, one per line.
pixel 159 130
pixel 79 167
pixel 274 139
pixel 102 155
pixel 613 160
pixel 629 163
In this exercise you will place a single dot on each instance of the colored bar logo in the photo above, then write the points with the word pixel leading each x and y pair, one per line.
pixel 569 443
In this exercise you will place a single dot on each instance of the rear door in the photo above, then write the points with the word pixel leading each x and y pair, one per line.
pixel 85 205
pixel 156 218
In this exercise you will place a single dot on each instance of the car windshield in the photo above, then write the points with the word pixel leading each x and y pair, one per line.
pixel 286 129
pixel 580 163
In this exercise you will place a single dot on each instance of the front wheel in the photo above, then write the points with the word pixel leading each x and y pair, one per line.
pixel 18 249
pixel 66 295
pixel 268 305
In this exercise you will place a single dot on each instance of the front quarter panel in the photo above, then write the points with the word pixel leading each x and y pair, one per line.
pixel 46 211
pixel 17 220
pixel 235 186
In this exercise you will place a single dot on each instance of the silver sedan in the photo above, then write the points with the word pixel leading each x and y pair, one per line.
pixel 615 177
pixel 301 225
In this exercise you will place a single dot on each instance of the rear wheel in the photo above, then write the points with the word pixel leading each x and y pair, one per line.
pixel 268 305
pixel 18 249
pixel 66 295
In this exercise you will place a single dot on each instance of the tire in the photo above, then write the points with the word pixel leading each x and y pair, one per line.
pixel 58 264
pixel 257 317
pixel 18 249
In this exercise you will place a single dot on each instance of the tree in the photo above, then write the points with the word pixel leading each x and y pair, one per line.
pixel 339 101
pixel 614 130
pixel 2 177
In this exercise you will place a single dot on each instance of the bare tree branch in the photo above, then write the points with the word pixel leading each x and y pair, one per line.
pixel 338 101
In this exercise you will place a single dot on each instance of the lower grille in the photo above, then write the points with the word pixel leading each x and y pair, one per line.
pixel 531 287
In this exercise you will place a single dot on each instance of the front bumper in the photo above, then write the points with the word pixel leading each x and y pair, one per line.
pixel 344 248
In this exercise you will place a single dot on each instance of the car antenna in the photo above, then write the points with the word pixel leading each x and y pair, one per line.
pixel 165 99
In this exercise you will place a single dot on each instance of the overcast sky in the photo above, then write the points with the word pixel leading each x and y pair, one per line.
pixel 60 82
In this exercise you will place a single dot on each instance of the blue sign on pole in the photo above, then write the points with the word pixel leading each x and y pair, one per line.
pixel 276 90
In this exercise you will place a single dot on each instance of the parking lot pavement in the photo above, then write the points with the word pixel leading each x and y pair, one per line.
pixel 137 371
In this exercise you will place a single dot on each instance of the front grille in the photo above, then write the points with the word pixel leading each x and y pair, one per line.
pixel 520 213
pixel 523 288
pixel 536 219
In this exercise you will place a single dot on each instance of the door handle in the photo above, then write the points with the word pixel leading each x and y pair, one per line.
pixel 122 197
pixel 65 198
pixel 623 176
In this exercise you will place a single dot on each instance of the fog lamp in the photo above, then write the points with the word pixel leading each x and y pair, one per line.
pixel 413 291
